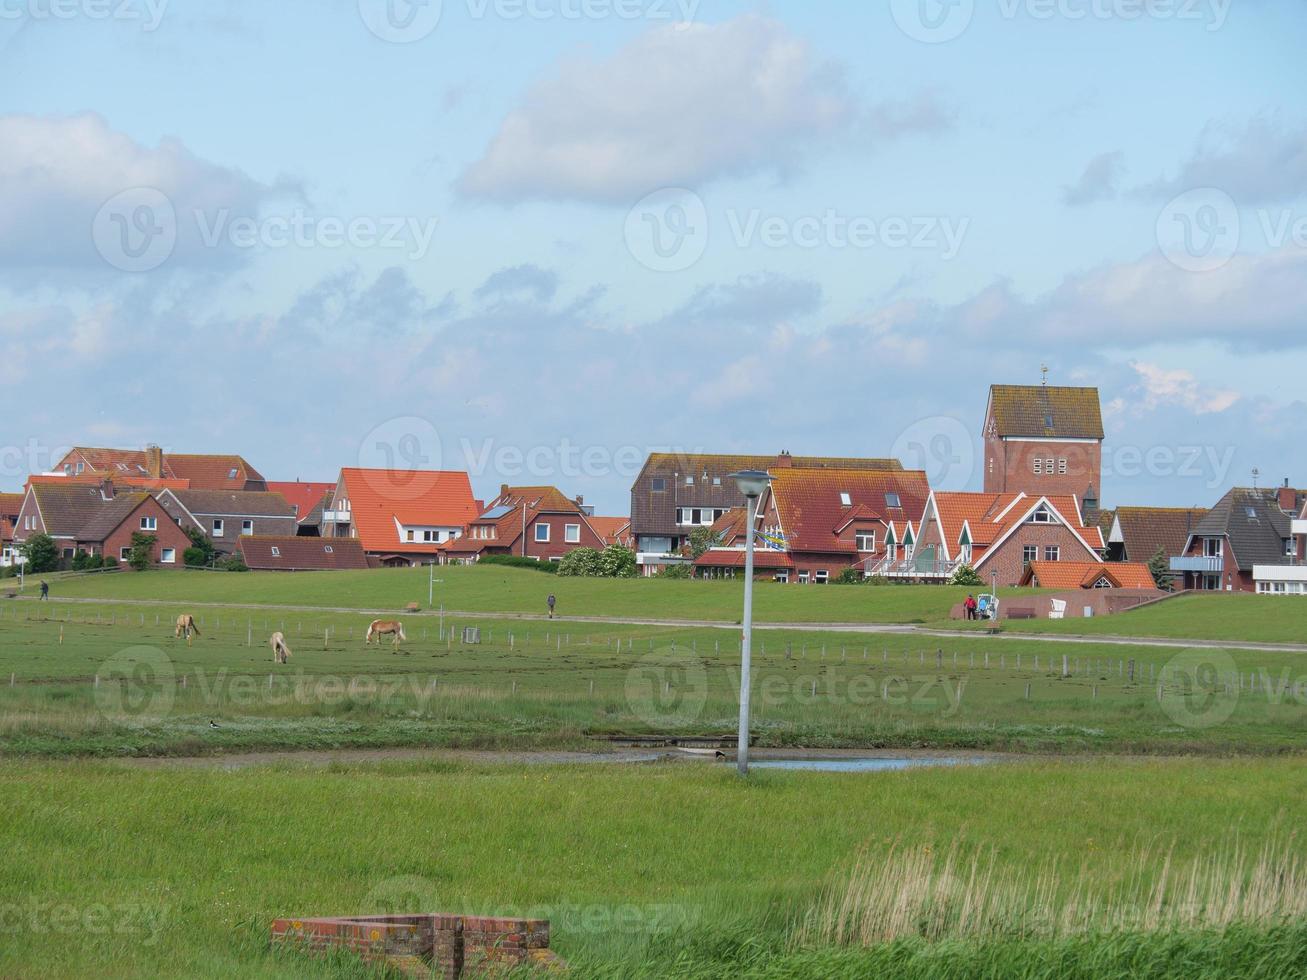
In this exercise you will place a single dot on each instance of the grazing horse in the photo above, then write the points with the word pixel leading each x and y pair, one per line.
pixel 280 651
pixel 186 625
pixel 384 627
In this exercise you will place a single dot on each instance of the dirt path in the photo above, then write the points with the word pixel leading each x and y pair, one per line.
pixel 866 628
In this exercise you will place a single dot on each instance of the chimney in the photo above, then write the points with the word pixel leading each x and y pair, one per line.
pixel 154 462
pixel 106 488
pixel 1288 497
pixel 503 490
pixel 785 461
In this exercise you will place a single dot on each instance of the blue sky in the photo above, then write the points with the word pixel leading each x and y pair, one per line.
pixel 538 239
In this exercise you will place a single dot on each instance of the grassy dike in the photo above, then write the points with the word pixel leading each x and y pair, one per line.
pixel 644 871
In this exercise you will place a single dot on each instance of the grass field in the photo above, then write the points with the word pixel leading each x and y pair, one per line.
pixel 89 679
pixel 650 871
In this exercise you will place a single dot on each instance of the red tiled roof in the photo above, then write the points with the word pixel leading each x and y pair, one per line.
pixel 811 510
pixel 421 498
pixel 614 530
pixel 734 558
pixel 212 472
pixel 1086 574
pixel 11 503
pixel 302 554
pixel 304 497
pixel 117 479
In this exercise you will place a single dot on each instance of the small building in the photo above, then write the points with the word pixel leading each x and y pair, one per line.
pixel 530 522
pixel 225 516
pixel 302 554
pixel 1087 575
pixel 1250 541
pixel 400 516
pixel 1044 441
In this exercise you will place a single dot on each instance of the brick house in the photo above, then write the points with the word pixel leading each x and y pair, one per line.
pixel 400 516
pixel 1250 541
pixel 301 554
pixel 10 505
pixel 999 534
pixel 226 516
pixel 530 522
pixel 1139 533
pixel 201 471
pixel 677 492
pixel 99 520
pixel 1043 440
pixel 814 523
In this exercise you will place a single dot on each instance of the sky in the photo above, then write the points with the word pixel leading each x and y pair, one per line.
pixel 539 239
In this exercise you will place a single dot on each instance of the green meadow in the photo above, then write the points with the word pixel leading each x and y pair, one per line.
pixel 1167 868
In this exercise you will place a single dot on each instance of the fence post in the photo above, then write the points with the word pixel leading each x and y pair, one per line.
pixel 1066 667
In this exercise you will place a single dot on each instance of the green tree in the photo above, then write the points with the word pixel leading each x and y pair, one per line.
pixel 79 560
pixel 201 551
pixel 42 554
pixel 677 571
pixel 617 561
pixel 966 575
pixel 701 539
pixel 849 576
pixel 142 553
pixel 1160 569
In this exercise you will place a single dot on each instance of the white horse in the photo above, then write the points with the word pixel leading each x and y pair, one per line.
pixel 386 627
pixel 280 651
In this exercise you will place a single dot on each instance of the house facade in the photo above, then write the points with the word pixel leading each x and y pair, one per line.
pixel 10 505
pixel 813 523
pixel 226 516
pixel 530 522
pixel 675 493
pixel 1043 440
pixel 1141 533
pixel 97 519
pixel 1250 541
pixel 999 535
pixel 401 517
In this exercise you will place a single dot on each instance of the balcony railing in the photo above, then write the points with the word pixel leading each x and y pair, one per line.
pixel 912 568
pixel 1206 566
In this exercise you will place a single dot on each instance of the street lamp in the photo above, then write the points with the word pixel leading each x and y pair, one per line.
pixel 751 483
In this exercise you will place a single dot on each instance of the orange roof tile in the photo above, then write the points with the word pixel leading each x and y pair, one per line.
pixel 1086 574
pixel 989 517
pixel 810 503
pixel 416 498
pixel 614 530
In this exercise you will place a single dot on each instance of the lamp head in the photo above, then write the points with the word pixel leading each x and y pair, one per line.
pixel 751 482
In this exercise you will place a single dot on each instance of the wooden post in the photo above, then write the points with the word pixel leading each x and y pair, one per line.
pixel 1066 666
pixel 1132 670
pixel 1027 690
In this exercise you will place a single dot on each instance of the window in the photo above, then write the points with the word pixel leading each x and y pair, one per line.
pixel 1048 421
pixel 431 536
pixel 892 500
pixel 572 533
pixel 276 552
pixel 1048 465
pixel 1289 549
pixel 846 500
pixel 1029 553
pixel 1052 553
pixel 659 485
pixel 231 473
pixel 1041 516
pixel 124 554
pixel 1061 466
pixel 866 540
pixel 247 527
pixel 803 578
pixel 542 533
pixel 217 527
pixel 1103 583
pixel 1213 547
pixel 822 577
pixel 717 481
pixel 1039 466
pixel 168 556
pixel 689 481
pixel 408 536
pixel 783 577
pixel 327 549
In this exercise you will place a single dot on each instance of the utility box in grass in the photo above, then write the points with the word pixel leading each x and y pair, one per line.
pixel 472 635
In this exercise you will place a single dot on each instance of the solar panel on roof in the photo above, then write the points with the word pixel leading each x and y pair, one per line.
pixel 495 513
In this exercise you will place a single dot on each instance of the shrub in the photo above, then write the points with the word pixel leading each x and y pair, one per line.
pixel 234 563
pixel 110 561
pixel 677 571
pixel 195 557
pixel 581 563
pixel 618 562
pixel 142 555
pixel 8 571
pixel 79 560
pixel 849 576
pixel 966 575
pixel 517 561
pixel 199 542
pixel 41 553
pixel 95 562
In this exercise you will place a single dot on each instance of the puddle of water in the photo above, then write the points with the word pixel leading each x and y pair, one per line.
pixel 857 765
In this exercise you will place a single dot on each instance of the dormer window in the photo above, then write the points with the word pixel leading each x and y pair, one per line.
pixel 1041 516
pixel 866 541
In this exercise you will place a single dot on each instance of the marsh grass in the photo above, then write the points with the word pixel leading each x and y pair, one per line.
pixel 914 891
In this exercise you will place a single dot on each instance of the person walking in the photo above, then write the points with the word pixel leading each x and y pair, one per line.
pixel 970 606
pixel 552 602
pixel 45 590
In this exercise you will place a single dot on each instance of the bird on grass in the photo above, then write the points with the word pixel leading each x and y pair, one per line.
pixel 212 723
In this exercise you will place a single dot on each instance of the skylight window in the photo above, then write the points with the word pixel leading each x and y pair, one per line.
pixel 231 474
pixel 846 500
pixel 892 500
pixel 1251 512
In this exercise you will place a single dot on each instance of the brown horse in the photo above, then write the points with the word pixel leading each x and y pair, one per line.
pixel 386 627
pixel 186 625
pixel 280 651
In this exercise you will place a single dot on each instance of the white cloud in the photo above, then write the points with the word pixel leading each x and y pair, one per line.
pixel 1162 386
pixel 57 171
pixel 680 105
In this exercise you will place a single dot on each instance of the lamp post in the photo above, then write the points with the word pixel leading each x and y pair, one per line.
pixel 751 483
